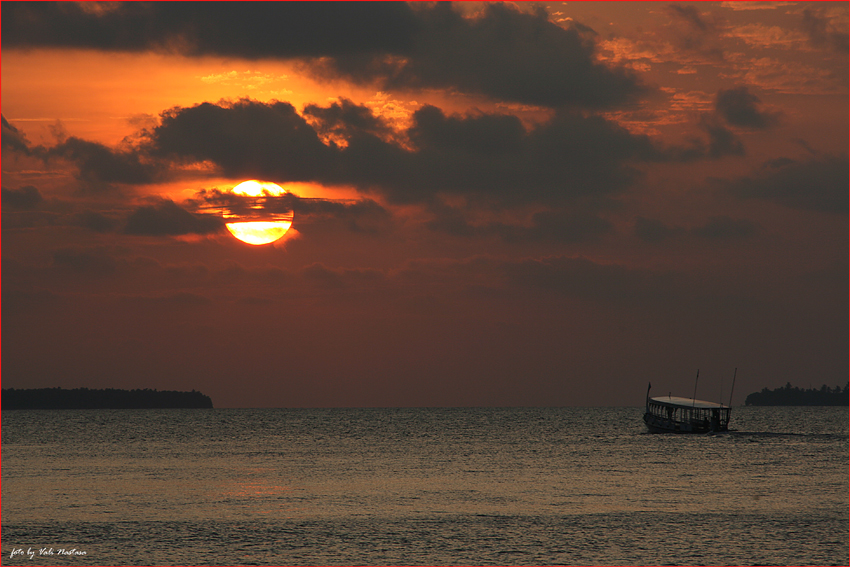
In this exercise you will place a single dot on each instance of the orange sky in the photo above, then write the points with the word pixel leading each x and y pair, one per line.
pixel 598 195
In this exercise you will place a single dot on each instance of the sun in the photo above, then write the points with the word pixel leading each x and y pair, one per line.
pixel 254 188
pixel 259 227
pixel 259 232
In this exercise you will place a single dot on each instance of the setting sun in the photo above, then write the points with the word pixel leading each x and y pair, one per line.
pixel 254 188
pixel 259 228
pixel 257 233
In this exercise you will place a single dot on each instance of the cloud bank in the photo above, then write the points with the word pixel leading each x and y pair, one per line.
pixel 499 52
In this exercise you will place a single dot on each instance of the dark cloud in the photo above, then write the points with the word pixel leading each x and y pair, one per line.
pixel 694 32
pixel 25 198
pixel 815 185
pixel 689 14
pixel 739 107
pixel 493 157
pixel 13 139
pixel 237 29
pixel 245 138
pixel 823 33
pixel 488 157
pixel 345 118
pixel 364 215
pixel 736 107
pixel 99 166
pixel 224 203
pixel 488 135
pixel 653 230
pixel 94 221
pixel 356 215
pixel 166 218
pixel 453 221
pixel 327 207
pixel 501 53
pixel 722 141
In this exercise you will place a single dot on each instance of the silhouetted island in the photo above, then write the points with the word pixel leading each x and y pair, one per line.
pixel 109 398
pixel 792 396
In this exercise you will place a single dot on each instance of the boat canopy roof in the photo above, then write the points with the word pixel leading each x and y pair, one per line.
pixel 675 401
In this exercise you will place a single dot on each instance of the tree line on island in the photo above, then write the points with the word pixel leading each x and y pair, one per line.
pixel 793 396
pixel 109 398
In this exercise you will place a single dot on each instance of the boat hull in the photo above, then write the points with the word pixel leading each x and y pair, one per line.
pixel 657 424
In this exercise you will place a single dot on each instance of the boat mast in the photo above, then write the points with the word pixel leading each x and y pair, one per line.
pixel 733 386
pixel 695 389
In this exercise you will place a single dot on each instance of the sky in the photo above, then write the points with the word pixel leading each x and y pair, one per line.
pixel 494 204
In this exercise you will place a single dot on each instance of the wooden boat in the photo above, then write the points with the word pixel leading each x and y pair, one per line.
pixel 672 414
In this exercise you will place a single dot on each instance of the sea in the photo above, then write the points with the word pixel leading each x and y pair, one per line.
pixel 429 486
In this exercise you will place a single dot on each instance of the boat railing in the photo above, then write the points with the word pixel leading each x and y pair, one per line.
pixel 694 416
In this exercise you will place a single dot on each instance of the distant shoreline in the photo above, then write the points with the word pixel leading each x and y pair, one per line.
pixel 109 398
pixel 792 396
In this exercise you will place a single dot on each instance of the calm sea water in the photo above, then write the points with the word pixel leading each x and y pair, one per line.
pixel 421 486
